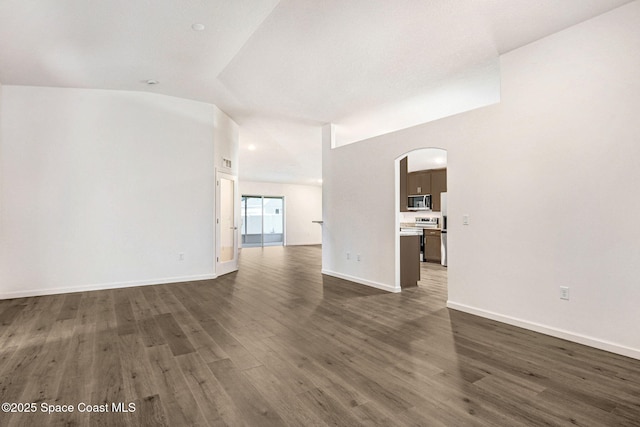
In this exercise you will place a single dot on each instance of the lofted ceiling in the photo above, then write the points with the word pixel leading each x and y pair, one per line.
pixel 282 69
pixel 426 158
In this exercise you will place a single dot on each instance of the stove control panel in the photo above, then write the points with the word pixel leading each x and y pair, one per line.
pixel 431 222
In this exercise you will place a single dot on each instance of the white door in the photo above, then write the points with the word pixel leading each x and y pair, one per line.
pixel 226 224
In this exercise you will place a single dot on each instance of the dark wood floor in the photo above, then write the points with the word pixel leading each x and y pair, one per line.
pixel 278 344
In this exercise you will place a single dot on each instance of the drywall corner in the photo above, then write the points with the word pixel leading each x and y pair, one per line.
pixel 226 143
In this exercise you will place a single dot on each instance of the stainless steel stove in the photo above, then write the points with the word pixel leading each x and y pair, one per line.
pixel 428 222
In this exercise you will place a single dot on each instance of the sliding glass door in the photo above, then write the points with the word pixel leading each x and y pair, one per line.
pixel 251 213
pixel 272 221
pixel 262 221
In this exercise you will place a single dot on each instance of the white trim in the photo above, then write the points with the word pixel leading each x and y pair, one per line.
pixel 396 237
pixel 225 267
pixel 548 330
pixel 103 286
pixel 360 281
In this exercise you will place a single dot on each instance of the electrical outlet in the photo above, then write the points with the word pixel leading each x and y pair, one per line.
pixel 358 257
pixel 564 292
pixel 181 256
pixel 348 255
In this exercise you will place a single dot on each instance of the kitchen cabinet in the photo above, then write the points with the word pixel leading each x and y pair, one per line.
pixel 432 245
pixel 409 261
pixel 412 183
pixel 432 181
pixel 403 184
pixel 419 182
pixel 438 185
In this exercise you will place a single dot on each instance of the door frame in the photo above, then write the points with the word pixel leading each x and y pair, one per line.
pixel 224 267
pixel 397 192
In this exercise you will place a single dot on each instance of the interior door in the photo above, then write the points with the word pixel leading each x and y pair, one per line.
pixel 226 224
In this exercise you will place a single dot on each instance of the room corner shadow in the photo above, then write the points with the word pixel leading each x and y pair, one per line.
pixel 341 288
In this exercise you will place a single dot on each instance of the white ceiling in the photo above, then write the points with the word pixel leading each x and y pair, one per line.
pixel 280 69
pixel 427 158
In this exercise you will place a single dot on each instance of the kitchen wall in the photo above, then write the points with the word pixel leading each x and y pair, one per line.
pixel 546 177
pixel 303 204
pixel 104 188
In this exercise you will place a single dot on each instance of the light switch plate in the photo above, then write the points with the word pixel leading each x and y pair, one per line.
pixel 465 219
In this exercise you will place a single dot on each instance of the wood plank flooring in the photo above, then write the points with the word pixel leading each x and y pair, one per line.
pixel 278 344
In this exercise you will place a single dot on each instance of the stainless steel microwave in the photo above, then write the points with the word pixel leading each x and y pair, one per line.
pixel 421 202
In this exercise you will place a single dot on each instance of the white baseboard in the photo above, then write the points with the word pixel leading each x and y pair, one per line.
pixel 548 330
pixel 305 244
pixel 360 281
pixel 103 286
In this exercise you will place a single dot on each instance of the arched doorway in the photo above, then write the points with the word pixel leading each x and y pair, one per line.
pixel 422 247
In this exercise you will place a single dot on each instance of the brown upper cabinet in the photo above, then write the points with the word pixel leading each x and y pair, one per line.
pixel 419 182
pixel 438 185
pixel 403 185
pixel 432 181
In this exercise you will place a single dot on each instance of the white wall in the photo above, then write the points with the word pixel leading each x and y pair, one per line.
pixel 225 135
pixel 547 177
pixel 0 165
pixel 104 189
pixel 1 181
pixel 303 204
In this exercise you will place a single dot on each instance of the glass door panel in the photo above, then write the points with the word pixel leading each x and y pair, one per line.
pixel 251 221
pixel 226 228
pixel 273 224
pixel 262 221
